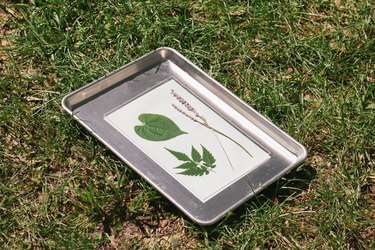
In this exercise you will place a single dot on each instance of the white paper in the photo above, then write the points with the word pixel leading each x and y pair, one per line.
pixel 232 161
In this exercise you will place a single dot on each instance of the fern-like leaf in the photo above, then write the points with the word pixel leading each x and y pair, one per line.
pixel 208 158
pixel 180 156
pixel 195 155
pixel 187 165
pixel 194 171
pixel 198 165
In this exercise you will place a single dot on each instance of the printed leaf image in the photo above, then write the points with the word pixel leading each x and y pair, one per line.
pixel 198 164
pixel 157 127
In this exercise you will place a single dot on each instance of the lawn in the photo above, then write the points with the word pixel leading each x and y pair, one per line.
pixel 306 65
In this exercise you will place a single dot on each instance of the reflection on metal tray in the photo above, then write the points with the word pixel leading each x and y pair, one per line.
pixel 188 136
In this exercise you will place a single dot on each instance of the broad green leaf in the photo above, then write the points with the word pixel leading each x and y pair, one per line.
pixel 208 157
pixel 195 155
pixel 157 127
pixel 180 156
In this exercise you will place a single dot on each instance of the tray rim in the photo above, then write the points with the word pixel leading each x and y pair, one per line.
pixel 301 155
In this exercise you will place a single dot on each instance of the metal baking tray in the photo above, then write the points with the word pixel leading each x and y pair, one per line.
pixel 189 137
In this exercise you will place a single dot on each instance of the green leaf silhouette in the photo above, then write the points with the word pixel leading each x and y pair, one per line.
pixel 187 165
pixel 157 127
pixel 197 166
pixel 208 157
pixel 180 156
pixel 195 155
pixel 195 171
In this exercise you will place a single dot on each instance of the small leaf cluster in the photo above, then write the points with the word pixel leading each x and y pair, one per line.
pixel 196 165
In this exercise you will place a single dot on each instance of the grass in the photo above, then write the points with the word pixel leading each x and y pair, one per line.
pixel 306 65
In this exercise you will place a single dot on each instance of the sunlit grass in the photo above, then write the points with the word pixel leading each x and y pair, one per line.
pixel 306 65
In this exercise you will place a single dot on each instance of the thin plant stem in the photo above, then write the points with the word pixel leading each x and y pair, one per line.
pixel 221 133
pixel 212 128
pixel 225 152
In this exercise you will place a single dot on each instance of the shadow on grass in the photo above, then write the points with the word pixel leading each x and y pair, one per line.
pixel 291 185
pixel 159 208
pixel 287 187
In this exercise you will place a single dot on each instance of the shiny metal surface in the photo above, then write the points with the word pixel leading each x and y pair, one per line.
pixel 90 103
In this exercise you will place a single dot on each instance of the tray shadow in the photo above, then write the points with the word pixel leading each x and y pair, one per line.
pixel 287 187
pixel 159 208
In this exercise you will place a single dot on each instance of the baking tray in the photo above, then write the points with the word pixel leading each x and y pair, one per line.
pixel 189 137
